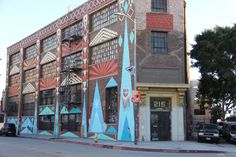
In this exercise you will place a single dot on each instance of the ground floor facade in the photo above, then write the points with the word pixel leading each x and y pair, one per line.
pixel 161 116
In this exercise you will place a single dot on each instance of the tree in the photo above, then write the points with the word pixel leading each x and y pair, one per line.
pixel 216 113
pixel 214 54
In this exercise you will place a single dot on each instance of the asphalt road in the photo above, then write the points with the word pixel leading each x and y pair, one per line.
pixel 20 147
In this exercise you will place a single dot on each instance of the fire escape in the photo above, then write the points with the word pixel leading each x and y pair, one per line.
pixel 70 67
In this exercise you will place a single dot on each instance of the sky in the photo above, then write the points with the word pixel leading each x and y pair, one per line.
pixel 20 18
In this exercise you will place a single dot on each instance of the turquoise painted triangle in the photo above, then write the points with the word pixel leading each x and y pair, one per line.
pixel 111 83
pixel 111 130
pixel 69 134
pixel 45 133
pixel 75 110
pixel 103 137
pixel 64 110
pixel 26 131
pixel 27 122
pixel 46 111
pixel 126 131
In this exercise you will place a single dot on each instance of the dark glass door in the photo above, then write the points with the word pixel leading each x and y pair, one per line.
pixel 160 126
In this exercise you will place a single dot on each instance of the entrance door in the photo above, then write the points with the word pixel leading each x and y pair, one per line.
pixel 160 126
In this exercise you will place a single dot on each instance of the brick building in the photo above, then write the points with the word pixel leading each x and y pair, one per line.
pixel 71 78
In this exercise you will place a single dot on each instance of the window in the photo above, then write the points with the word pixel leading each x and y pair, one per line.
pixel 104 52
pixel 72 94
pixel 30 52
pixel 159 5
pixel 49 43
pixel 15 59
pixel 48 70
pixel 28 104
pixel 30 76
pixel 76 29
pixel 104 17
pixel 14 80
pixel 74 60
pixel 159 42
pixel 48 97
pixel 70 122
pixel 46 122
pixel 111 105
pixel 12 107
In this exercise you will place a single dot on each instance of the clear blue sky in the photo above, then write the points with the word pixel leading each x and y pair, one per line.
pixel 20 18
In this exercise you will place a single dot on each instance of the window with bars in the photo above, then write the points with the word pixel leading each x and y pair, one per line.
pixel 73 95
pixel 159 42
pixel 48 70
pixel 46 122
pixel 104 52
pixel 72 61
pixel 14 80
pixel 30 76
pixel 104 17
pixel 48 97
pixel 159 5
pixel 28 104
pixel 30 52
pixel 12 106
pixel 49 43
pixel 15 59
pixel 111 105
pixel 75 29
pixel 71 122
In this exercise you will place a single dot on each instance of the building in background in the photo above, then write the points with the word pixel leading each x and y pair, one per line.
pixel 197 114
pixel 74 77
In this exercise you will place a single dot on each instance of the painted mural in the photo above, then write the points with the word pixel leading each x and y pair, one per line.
pixel 27 125
pixel 126 112
pixel 96 121
pixel 102 70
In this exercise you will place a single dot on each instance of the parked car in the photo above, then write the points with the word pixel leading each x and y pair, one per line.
pixel 8 129
pixel 208 132
pixel 230 133
pixel 225 128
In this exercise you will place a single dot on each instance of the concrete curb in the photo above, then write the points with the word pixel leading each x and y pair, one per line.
pixel 117 147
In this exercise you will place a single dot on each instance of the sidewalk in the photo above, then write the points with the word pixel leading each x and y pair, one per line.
pixel 168 147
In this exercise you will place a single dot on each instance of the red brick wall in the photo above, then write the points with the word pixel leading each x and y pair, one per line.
pixel 159 21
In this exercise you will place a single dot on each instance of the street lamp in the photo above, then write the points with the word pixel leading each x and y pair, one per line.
pixel 134 74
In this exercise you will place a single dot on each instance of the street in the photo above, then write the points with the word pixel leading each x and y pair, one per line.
pixel 20 147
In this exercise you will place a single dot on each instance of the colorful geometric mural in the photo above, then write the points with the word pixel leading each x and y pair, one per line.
pixel 73 79
pixel 102 70
pixel 111 130
pixel 73 110
pixel 103 35
pixel 69 134
pixel 46 110
pixel 12 91
pixel 30 63
pixel 48 83
pixel 74 47
pixel 46 133
pixel 126 114
pixel 103 137
pixel 48 57
pixel 29 88
pixel 96 121
pixel 14 70
pixel 27 125
pixel 112 83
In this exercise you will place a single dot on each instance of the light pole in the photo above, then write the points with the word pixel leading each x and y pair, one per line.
pixel 135 75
